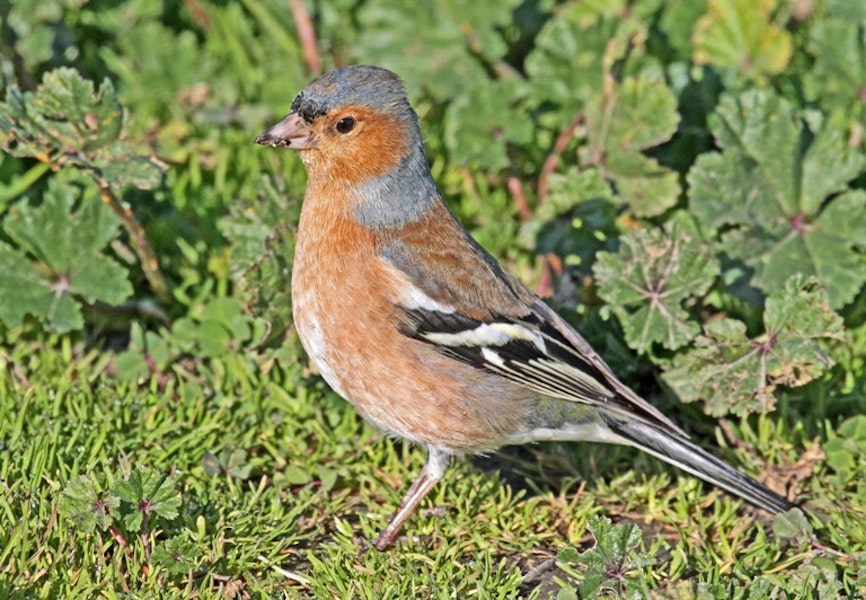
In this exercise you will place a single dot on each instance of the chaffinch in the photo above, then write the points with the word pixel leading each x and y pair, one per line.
pixel 413 322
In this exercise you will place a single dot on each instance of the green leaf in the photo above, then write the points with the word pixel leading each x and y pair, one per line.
pixel 266 285
pixel 263 242
pixel 839 70
pixel 443 54
pixel 677 22
pixel 741 35
pixel 651 276
pixel 65 114
pixel 58 259
pixel 88 506
pixel 638 114
pixel 732 373
pixel 177 555
pixel 148 494
pixel 792 524
pixel 233 463
pixel 612 564
pixel 37 28
pixel 817 578
pixel 482 122
pixel 785 194
pixel 613 543
pixel 566 64
pixel 69 123
pixel 846 448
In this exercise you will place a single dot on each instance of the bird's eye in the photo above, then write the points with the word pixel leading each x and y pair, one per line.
pixel 345 125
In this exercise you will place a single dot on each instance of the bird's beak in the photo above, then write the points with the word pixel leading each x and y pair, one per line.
pixel 292 132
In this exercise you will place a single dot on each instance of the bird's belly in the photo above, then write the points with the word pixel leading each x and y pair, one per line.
pixel 401 385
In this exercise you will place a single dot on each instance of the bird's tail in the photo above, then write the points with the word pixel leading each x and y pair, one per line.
pixel 690 458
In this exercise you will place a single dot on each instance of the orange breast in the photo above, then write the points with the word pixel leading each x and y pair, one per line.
pixel 342 295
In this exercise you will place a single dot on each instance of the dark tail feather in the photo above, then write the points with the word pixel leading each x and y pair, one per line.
pixel 690 458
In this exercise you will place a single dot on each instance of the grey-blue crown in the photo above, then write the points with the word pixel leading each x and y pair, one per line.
pixel 362 85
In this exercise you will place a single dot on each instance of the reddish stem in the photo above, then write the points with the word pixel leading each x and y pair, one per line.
pixel 515 188
pixel 558 148
pixel 307 36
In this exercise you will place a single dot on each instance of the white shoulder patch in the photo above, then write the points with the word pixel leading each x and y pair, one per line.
pixel 489 334
pixel 413 298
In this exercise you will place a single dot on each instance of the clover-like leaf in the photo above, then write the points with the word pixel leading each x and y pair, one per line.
pixel 838 74
pixel 613 564
pixel 648 280
pixel 483 121
pixel 732 373
pixel 36 28
pixel 792 524
pixel 65 114
pixel 233 463
pixel 58 260
pixel 220 327
pixel 846 448
pixel 435 46
pixel 785 193
pixel 741 34
pixel 89 507
pixel 177 555
pixel 638 114
pixel 149 494
pixel 566 64
pixel 68 122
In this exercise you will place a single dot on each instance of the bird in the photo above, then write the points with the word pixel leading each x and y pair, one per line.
pixel 428 336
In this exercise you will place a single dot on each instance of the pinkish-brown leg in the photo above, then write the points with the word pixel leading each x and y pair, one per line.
pixel 437 464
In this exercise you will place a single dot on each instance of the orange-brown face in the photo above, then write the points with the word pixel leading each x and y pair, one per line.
pixel 354 143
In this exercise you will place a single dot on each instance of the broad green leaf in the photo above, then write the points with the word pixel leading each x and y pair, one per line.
pixel 732 373
pixel 846 448
pixel 638 114
pixel 67 122
pixel 565 66
pixel 58 259
pixel 677 22
pixel 37 28
pixel 233 463
pixel 740 34
pixel 792 524
pixel 614 564
pixel 177 555
pixel 784 189
pixel 23 291
pixel 482 122
pixel 148 494
pixel 87 505
pixel 839 70
pixel 434 46
pixel 65 115
pixel 817 578
pixel 648 280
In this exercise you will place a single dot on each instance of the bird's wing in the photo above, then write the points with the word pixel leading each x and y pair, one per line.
pixel 478 314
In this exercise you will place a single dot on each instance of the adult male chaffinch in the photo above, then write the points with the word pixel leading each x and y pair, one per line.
pixel 424 332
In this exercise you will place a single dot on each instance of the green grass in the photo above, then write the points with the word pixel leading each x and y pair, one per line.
pixel 189 454
pixel 293 516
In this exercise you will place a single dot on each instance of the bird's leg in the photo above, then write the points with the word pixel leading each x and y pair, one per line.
pixel 437 463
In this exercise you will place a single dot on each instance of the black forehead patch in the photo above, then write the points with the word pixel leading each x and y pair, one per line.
pixel 308 108
pixel 360 85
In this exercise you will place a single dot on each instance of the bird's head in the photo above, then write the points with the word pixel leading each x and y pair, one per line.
pixel 352 124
